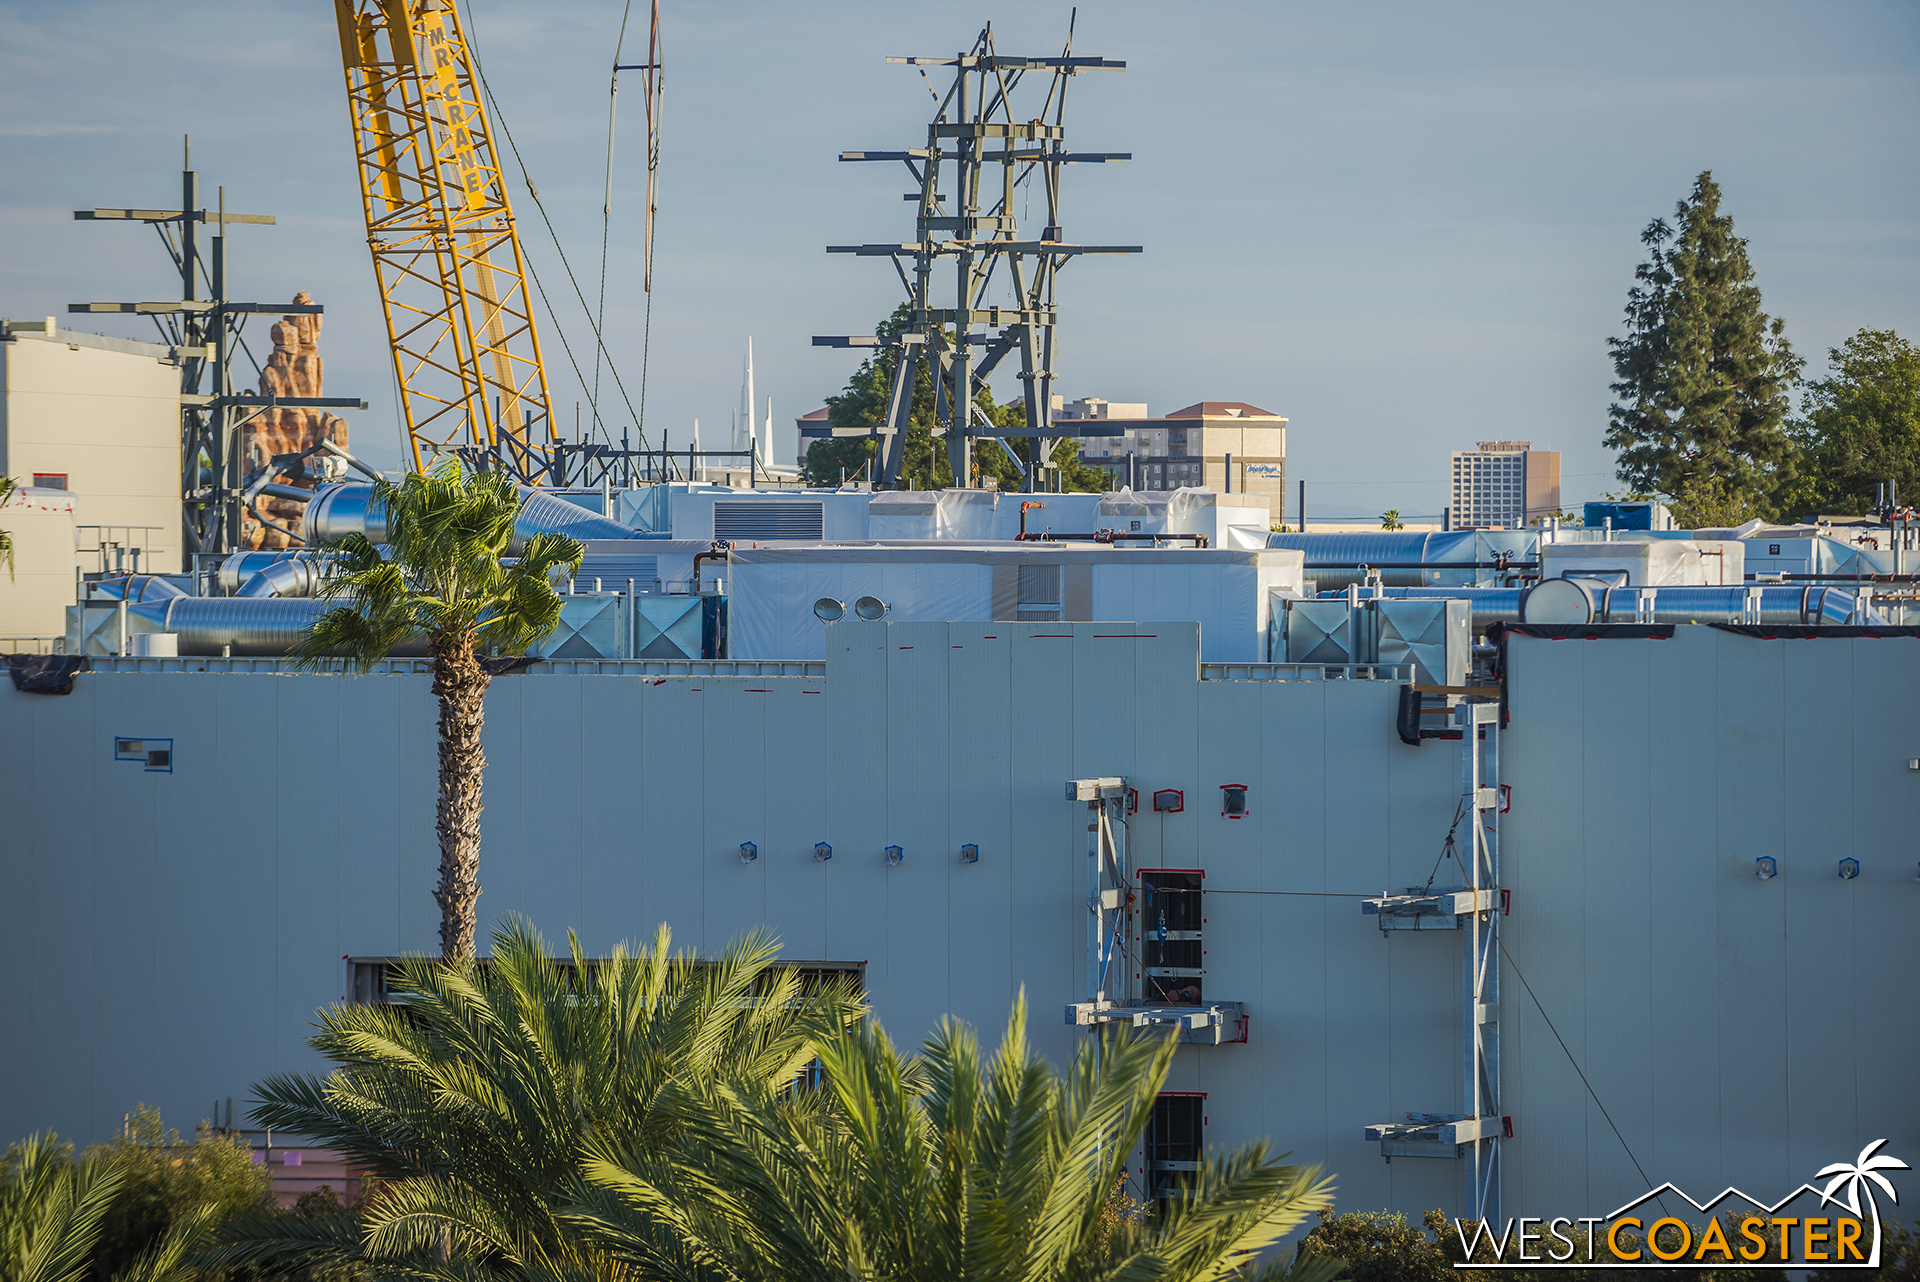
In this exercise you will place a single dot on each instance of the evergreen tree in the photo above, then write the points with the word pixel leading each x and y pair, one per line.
pixel 1704 372
pixel 926 466
pixel 1860 426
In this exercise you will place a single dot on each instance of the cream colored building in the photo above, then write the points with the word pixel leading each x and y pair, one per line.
pixel 1191 447
pixel 90 424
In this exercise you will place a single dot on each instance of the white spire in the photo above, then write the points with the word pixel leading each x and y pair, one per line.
pixel 746 401
pixel 697 470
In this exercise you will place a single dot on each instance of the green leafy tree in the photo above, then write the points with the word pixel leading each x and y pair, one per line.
pixel 471 1100
pixel 446 576
pixel 169 1191
pixel 1703 372
pixel 925 465
pixel 1859 426
pixel 947 1166
pixel 1390 520
pixel 51 1209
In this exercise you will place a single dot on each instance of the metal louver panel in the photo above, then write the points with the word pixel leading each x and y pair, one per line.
pixel 615 568
pixel 746 519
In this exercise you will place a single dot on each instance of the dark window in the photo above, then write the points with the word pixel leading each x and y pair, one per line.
pixel 1173 1143
pixel 1171 954
pixel 50 480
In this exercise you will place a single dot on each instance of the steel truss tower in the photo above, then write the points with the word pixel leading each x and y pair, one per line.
pixel 966 229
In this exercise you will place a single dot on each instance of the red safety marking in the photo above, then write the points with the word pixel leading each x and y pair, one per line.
pixel 809 692
pixel 906 647
pixel 1126 636
pixel 752 691
pixel 1050 636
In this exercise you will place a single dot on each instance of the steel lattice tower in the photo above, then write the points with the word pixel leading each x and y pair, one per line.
pixel 978 151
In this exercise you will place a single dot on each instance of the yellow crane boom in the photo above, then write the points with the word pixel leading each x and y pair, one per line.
pixel 453 282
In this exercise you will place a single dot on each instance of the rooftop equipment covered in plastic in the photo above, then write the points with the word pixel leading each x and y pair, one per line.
pixel 772 592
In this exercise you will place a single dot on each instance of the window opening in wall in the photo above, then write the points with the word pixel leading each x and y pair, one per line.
pixel 50 480
pixel 1171 954
pixel 1173 1142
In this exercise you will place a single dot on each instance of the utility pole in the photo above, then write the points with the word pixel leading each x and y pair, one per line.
pixel 203 333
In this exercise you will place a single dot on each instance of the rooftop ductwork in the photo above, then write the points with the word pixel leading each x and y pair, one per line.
pixel 350 508
pixel 250 626
pixel 266 574
pixel 134 588
pixel 1578 600
pixel 343 509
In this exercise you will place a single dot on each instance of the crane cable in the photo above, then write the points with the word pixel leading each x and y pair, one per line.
pixel 533 191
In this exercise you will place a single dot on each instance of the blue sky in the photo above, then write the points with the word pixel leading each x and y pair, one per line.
pixel 1407 227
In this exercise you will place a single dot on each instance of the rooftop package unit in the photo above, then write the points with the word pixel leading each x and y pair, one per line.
pixel 1331 631
pixel 966 515
pixel 1628 516
pixel 1434 634
pixel 695 511
pixel 772 591
pixel 1652 563
pixel 1436 637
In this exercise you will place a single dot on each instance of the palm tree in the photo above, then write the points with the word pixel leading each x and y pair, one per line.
pixel 946 1168
pixel 51 1208
pixel 7 487
pixel 447 535
pixel 1390 520
pixel 1859 1176
pixel 471 1100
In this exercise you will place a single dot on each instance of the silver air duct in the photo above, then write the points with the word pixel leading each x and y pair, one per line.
pixel 252 626
pixel 349 508
pixel 251 574
pixel 343 509
pixel 138 587
pixel 1594 601
pixel 542 513
pixel 289 578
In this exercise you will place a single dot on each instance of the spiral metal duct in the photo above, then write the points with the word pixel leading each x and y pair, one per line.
pixel 252 626
pixel 1779 606
pixel 1340 553
pixel 349 508
pixel 138 587
pixel 260 574
pixel 542 513
pixel 343 509
pixel 289 578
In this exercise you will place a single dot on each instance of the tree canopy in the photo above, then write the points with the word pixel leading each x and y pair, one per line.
pixel 1859 427
pixel 1704 374
pixel 926 467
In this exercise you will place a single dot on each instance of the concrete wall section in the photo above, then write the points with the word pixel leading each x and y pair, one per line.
pixel 1666 1014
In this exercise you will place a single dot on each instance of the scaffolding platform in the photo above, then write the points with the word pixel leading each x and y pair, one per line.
pixel 1205 1024
pixel 1440 908
pixel 1435 1134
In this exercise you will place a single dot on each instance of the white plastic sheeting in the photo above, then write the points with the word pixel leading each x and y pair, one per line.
pixel 772 591
pixel 1656 563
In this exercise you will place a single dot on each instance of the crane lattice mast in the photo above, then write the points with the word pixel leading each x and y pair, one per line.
pixel 453 282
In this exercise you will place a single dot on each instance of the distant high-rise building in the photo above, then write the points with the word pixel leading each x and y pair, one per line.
pixel 1504 484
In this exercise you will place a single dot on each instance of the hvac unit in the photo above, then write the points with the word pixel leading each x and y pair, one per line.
pixel 768 519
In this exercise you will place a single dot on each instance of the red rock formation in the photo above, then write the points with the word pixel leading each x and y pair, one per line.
pixel 292 370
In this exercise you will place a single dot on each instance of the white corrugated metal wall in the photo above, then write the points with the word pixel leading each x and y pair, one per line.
pixel 169 935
